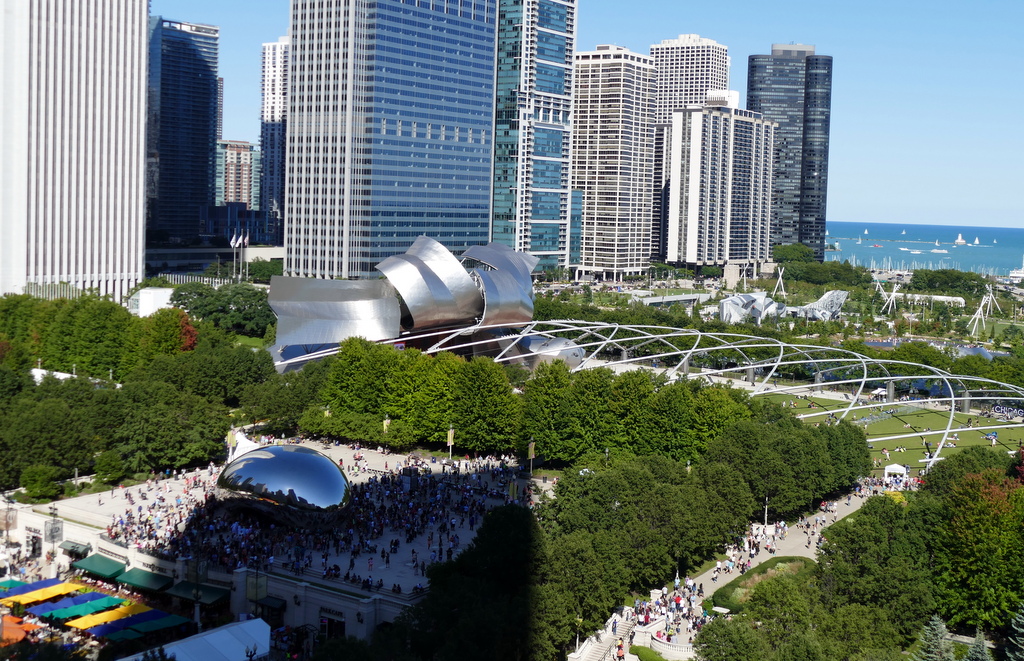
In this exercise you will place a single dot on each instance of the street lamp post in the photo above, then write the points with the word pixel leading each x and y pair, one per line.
pixel 7 520
pixel 197 596
pixel 196 573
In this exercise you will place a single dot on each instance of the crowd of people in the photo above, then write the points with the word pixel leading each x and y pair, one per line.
pixel 156 511
pixel 389 512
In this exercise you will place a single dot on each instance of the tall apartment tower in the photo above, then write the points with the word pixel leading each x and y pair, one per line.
pixel 534 209
pixel 72 144
pixel 687 67
pixel 613 156
pixel 793 86
pixel 719 205
pixel 390 130
pixel 237 177
pixel 273 122
pixel 184 110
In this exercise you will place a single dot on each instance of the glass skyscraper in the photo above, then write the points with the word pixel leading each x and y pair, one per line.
pixel 183 114
pixel 390 130
pixel 533 205
pixel 793 87
pixel 273 120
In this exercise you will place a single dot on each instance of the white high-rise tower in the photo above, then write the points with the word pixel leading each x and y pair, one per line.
pixel 72 144
pixel 687 69
pixel 613 157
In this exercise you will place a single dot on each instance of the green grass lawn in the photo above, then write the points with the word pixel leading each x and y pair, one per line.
pixel 735 593
pixel 919 420
pixel 245 341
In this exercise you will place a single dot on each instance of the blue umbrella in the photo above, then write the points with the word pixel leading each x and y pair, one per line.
pixel 125 622
pixel 32 587
pixel 67 602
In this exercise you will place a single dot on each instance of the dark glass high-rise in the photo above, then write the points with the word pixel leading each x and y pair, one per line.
pixel 793 86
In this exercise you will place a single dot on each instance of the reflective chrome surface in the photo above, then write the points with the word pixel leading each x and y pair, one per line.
pixel 826 308
pixel 504 299
pixel 435 289
pixel 316 312
pixel 537 350
pixel 289 475
pixel 502 258
pixel 755 307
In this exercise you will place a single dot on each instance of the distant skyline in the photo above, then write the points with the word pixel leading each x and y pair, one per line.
pixel 926 100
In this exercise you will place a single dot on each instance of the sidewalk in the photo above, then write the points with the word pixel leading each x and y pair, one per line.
pixel 795 544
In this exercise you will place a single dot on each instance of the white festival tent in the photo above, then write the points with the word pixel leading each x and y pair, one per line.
pixel 227 643
pixel 896 469
pixel 242 446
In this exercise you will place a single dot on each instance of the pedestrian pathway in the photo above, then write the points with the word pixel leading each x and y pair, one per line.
pixel 602 647
pixel 795 544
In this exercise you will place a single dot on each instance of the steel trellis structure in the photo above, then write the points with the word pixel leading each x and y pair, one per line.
pixel 680 353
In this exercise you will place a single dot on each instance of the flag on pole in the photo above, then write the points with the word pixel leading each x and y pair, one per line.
pixel 246 244
pixel 532 447
pixel 234 239
pixel 451 436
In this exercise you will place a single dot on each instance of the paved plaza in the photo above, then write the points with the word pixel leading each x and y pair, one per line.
pixel 99 510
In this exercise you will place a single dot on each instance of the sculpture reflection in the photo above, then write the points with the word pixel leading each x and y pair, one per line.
pixel 287 475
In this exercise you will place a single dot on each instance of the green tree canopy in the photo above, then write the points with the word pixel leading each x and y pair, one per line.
pixel 792 252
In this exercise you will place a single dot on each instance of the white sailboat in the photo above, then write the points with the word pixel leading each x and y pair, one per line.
pixel 975 240
pixel 936 242
pixel 903 232
pixel 865 232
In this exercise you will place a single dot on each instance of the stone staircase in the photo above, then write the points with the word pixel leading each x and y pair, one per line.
pixel 604 649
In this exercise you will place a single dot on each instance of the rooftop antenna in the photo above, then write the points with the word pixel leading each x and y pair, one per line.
pixel 780 287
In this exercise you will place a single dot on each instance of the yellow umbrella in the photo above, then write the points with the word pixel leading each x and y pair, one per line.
pixel 90 621
pixel 44 594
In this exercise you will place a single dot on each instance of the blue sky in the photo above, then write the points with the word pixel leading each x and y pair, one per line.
pixel 927 97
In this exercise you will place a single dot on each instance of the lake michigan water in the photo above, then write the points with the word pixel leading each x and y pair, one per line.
pixel 998 250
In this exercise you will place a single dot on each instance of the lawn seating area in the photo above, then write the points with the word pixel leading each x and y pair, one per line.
pixel 916 423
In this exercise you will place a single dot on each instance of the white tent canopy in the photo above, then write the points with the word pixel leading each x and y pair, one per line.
pixel 879 391
pixel 226 643
pixel 242 446
pixel 896 469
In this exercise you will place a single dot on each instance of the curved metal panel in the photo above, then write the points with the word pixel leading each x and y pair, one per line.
pixel 447 267
pixel 289 475
pixel 505 302
pixel 435 288
pixel 317 312
pixel 502 258
pixel 537 350
pixel 429 303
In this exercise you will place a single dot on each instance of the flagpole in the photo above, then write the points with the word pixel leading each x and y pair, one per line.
pixel 238 251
